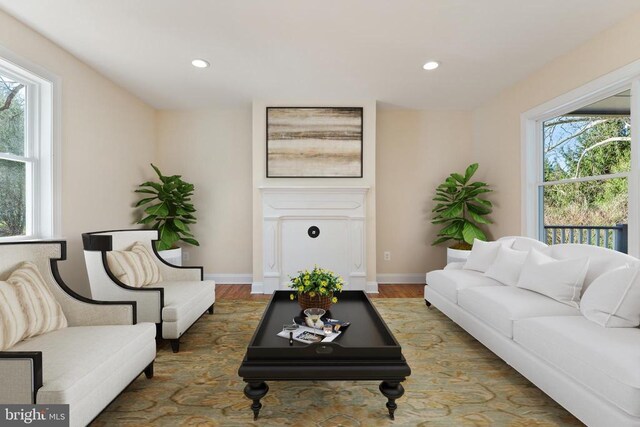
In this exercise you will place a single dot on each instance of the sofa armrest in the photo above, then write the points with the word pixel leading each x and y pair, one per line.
pixel 21 373
pixel 82 311
pixel 87 312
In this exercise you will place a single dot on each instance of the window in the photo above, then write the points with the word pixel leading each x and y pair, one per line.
pixel 14 160
pixel 586 158
pixel 28 205
pixel 581 165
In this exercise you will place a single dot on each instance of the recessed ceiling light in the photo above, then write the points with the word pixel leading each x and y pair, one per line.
pixel 431 65
pixel 200 63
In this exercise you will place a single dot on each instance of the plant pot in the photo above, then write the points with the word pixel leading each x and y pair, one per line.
pixel 457 255
pixel 318 301
pixel 172 256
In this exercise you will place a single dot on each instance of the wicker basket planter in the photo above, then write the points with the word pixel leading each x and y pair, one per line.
pixel 318 301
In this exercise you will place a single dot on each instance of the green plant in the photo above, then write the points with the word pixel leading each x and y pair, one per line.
pixel 170 210
pixel 316 282
pixel 460 209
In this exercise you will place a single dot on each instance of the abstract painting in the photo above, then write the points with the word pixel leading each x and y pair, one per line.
pixel 314 142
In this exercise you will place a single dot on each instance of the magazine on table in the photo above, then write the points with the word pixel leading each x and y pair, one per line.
pixel 307 335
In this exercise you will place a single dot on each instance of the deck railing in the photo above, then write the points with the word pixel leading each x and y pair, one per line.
pixel 612 237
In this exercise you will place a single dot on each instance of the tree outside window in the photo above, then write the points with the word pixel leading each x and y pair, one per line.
pixel 13 166
pixel 587 158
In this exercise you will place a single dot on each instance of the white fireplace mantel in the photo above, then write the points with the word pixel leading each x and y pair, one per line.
pixel 307 226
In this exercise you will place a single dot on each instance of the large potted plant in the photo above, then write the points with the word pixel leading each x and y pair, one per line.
pixel 461 210
pixel 168 209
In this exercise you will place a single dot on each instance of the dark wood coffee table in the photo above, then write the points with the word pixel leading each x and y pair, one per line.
pixel 366 350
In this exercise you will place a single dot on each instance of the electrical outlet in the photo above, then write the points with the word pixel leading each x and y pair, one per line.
pixel 185 255
pixel 387 256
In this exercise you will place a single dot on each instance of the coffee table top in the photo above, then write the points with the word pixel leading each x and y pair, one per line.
pixel 367 338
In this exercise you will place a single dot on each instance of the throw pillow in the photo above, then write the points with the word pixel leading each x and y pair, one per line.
pixel 134 267
pixel 507 266
pixel 484 253
pixel 613 299
pixel 13 322
pixel 42 311
pixel 560 280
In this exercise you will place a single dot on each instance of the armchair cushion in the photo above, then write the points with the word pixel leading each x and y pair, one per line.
pixel 13 322
pixel 42 310
pixel 77 360
pixel 134 267
pixel 181 297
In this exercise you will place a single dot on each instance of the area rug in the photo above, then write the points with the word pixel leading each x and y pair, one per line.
pixel 455 381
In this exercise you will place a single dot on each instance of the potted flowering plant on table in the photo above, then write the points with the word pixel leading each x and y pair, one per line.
pixel 316 288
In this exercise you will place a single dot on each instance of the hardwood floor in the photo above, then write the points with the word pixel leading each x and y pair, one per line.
pixel 243 292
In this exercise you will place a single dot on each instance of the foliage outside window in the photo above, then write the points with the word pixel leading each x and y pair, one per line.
pixel 586 165
pixel 14 164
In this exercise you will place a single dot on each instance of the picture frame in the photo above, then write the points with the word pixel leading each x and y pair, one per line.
pixel 314 142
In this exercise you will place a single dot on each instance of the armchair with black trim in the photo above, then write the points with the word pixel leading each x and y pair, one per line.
pixel 86 364
pixel 174 303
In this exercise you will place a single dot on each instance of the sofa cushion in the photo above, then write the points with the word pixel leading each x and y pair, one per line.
pixel 42 310
pixel 134 267
pixel 13 321
pixel 483 254
pixel 76 360
pixel 524 244
pixel 180 297
pixel 613 299
pixel 500 306
pixel 449 282
pixel 601 260
pixel 507 266
pixel 605 360
pixel 560 280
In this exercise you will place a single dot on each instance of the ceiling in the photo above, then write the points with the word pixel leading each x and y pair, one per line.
pixel 318 51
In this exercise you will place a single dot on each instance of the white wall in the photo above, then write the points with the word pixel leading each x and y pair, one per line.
pixel 260 179
pixel 225 158
pixel 416 151
pixel 496 125
pixel 212 150
pixel 108 140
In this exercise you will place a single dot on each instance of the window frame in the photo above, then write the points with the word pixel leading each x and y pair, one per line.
pixel 532 180
pixel 42 147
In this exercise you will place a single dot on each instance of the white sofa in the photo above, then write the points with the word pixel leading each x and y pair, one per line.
pixel 86 364
pixel 592 371
pixel 174 304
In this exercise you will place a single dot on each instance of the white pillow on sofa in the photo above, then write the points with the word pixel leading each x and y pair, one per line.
pixel 484 253
pixel 613 299
pixel 507 266
pixel 561 280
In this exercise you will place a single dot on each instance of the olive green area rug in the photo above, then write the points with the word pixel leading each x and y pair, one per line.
pixel 455 381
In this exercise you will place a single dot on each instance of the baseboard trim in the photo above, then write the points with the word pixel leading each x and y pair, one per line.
pixel 372 288
pixel 257 288
pixel 401 278
pixel 230 279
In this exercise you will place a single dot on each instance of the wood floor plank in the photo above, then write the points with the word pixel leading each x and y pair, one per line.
pixel 243 292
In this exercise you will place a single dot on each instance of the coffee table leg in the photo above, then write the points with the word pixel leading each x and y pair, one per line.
pixel 256 391
pixel 392 390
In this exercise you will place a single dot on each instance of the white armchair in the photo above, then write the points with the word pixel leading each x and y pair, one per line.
pixel 173 304
pixel 86 364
